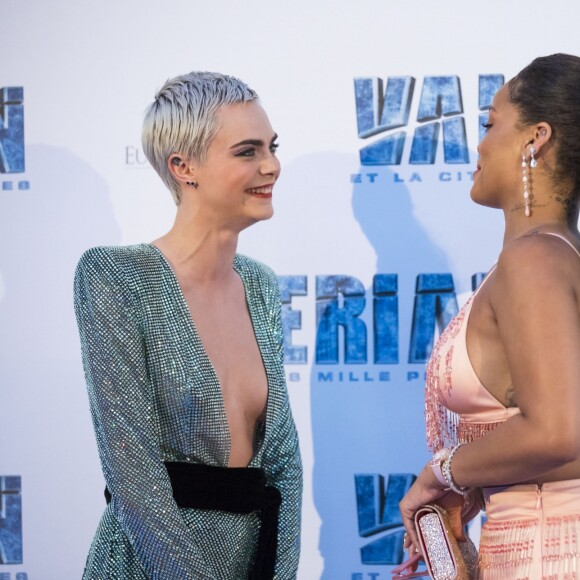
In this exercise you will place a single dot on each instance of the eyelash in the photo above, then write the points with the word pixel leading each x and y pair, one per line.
pixel 252 151
pixel 487 126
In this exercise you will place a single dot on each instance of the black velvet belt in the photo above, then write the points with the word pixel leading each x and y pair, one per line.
pixel 239 490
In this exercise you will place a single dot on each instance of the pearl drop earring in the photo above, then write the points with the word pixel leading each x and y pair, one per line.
pixel 527 202
pixel 533 161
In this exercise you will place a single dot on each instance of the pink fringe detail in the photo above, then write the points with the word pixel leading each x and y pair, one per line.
pixel 444 427
pixel 468 432
pixel 441 423
pixel 561 555
pixel 506 550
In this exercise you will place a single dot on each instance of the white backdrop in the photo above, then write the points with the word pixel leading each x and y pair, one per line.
pixel 88 70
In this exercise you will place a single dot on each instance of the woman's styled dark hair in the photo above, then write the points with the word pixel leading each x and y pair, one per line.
pixel 548 90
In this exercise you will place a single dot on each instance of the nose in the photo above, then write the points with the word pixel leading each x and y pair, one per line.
pixel 270 166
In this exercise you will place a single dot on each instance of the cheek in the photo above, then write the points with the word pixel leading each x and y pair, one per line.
pixel 232 181
pixel 241 176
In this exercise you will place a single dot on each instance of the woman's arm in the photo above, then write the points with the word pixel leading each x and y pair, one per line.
pixel 535 304
pixel 536 308
pixel 124 417
pixel 284 471
pixel 282 461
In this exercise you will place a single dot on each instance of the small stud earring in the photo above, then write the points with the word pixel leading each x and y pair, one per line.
pixel 191 184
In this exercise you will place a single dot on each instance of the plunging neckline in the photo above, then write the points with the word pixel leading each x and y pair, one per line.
pixel 193 329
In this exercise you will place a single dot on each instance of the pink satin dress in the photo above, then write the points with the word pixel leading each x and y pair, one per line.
pixel 532 532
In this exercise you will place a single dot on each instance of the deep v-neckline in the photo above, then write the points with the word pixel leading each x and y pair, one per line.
pixel 192 328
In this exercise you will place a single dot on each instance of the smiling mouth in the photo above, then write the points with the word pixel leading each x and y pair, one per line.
pixel 264 190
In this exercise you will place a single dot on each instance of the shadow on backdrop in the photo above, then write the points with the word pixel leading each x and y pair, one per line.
pixel 46 426
pixel 367 418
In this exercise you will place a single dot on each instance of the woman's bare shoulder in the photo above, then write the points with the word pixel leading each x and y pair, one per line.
pixel 539 256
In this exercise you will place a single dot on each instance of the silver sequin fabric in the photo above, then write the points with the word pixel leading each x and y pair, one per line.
pixel 154 397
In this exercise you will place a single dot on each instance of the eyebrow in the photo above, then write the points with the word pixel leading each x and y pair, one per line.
pixel 254 142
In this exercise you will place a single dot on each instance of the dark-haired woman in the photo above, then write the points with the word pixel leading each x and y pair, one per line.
pixel 503 382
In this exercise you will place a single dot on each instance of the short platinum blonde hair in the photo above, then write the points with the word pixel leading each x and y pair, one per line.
pixel 182 119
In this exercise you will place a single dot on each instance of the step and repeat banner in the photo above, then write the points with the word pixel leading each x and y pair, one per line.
pixel 376 242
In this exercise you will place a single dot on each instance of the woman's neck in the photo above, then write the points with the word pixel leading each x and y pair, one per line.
pixel 199 249
pixel 554 208
pixel 541 220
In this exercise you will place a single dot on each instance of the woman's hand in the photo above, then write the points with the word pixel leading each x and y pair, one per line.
pixel 454 505
pixel 474 503
pixel 427 489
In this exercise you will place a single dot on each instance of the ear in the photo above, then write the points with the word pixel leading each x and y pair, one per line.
pixel 180 168
pixel 541 135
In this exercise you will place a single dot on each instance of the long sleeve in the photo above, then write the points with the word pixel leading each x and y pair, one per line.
pixel 284 468
pixel 282 461
pixel 124 417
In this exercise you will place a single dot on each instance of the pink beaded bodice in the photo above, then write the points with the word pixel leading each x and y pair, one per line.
pixel 458 408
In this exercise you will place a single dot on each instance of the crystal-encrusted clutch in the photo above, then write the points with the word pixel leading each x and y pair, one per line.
pixel 445 557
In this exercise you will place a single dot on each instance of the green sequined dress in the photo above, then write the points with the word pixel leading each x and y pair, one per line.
pixel 155 397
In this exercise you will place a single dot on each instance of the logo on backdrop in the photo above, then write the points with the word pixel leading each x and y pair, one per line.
pixel 340 301
pixel 383 108
pixel 135 157
pixel 12 152
pixel 378 515
pixel 11 524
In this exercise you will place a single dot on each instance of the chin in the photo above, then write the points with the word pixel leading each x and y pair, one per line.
pixel 474 197
pixel 473 193
pixel 259 217
pixel 477 196
pixel 266 214
pixel 483 201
